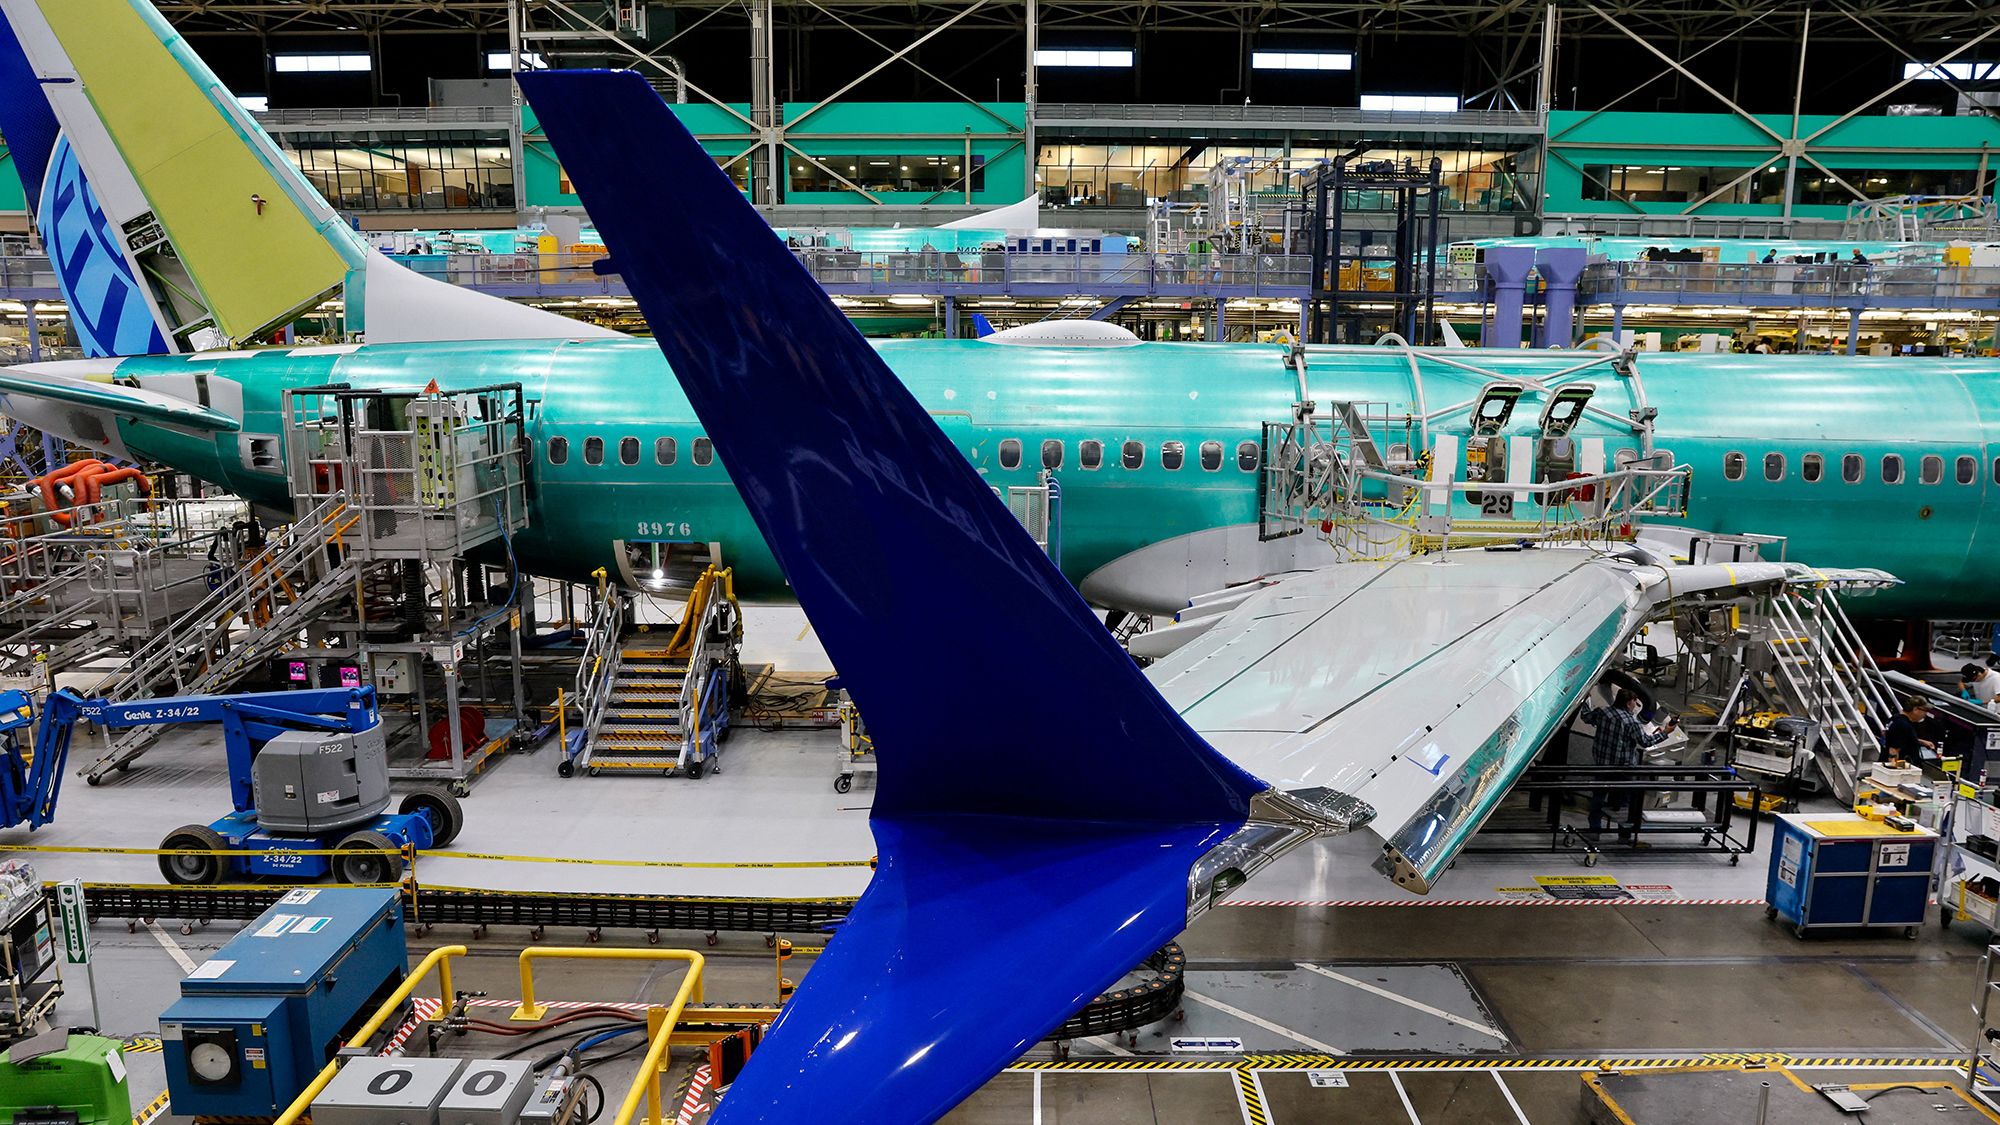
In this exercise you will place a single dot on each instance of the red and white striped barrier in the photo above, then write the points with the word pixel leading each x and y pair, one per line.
pixel 697 1090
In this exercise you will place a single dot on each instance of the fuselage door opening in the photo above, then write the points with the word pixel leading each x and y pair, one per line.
pixel 665 566
pixel 1486 446
pixel 1555 449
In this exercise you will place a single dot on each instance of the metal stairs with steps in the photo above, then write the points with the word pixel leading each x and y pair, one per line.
pixel 1820 667
pixel 261 612
pixel 659 701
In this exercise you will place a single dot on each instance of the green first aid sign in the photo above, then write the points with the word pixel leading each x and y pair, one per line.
pixel 75 924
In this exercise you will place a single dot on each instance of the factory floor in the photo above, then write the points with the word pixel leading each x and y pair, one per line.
pixel 1321 993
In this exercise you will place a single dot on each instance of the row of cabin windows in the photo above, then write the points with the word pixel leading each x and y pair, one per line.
pixel 664 451
pixel 1853 468
pixel 1132 455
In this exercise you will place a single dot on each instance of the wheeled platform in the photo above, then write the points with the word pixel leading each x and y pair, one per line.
pixel 1704 1095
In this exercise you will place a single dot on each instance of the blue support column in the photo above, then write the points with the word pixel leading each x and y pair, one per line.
pixel 1215 322
pixel 950 318
pixel 1853 331
pixel 1618 324
pixel 1561 267
pixel 34 333
pixel 1507 272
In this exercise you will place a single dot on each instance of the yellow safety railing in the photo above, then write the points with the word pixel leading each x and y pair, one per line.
pixel 659 1022
pixel 530 1010
pixel 439 959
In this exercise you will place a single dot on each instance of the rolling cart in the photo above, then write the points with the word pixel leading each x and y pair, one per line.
pixel 1841 870
pixel 1969 868
pixel 30 981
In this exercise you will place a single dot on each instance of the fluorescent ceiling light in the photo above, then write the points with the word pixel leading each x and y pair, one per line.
pixel 255 103
pixel 1065 57
pixel 1962 71
pixel 321 63
pixel 1409 103
pixel 501 60
pixel 1301 60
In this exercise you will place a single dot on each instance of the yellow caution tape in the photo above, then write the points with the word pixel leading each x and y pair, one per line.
pixel 72 849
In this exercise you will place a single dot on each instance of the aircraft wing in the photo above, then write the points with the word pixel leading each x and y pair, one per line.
pixel 1423 687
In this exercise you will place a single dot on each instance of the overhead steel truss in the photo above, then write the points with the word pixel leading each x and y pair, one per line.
pixel 1671 21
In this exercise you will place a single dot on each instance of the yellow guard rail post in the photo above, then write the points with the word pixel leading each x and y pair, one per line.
pixel 439 959
pixel 646 1083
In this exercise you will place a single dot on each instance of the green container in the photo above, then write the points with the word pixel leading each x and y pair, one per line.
pixel 86 1076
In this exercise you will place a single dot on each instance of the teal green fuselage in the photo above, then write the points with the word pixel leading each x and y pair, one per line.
pixel 985 396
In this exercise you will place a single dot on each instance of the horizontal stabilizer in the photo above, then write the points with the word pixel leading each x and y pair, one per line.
pixel 22 387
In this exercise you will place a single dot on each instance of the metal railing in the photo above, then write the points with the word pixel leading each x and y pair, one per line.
pixel 1758 282
pixel 496 116
pixel 597 668
pixel 1051 113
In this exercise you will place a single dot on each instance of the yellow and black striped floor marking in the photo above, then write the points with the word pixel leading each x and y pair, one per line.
pixel 143 1045
pixel 1251 1093
pixel 153 1109
pixel 1336 1062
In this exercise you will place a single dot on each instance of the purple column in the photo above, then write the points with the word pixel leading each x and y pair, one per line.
pixel 1560 267
pixel 1507 279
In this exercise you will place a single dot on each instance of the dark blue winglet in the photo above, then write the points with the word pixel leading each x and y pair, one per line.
pixel 1039 806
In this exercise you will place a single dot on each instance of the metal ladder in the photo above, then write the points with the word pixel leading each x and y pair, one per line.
pixel 1824 672
pixel 274 595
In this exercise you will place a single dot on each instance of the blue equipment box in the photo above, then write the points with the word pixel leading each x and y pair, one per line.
pixel 257 1021
pixel 1840 869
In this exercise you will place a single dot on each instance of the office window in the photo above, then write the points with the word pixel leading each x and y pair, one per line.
pixel 704 451
pixel 1774 466
pixel 1966 470
pixel 1010 453
pixel 1962 71
pixel 1090 454
pixel 559 454
pixel 1892 468
pixel 1248 454
pixel 1409 103
pixel 628 451
pixel 1811 467
pixel 502 60
pixel 321 63
pixel 593 451
pixel 1301 60
pixel 663 451
pixel 1172 453
pixel 879 171
pixel 1211 456
pixel 1066 57
pixel 1850 468
pixel 1052 454
pixel 1732 466
pixel 1133 455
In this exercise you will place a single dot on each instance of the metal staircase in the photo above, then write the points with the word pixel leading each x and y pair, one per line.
pixel 1823 672
pixel 660 702
pixel 258 612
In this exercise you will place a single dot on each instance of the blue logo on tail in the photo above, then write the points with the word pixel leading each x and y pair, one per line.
pixel 106 305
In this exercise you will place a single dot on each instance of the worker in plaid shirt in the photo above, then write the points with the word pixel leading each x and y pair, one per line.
pixel 1620 738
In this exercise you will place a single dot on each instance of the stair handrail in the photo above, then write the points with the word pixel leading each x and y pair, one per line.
pixel 597 669
pixel 715 590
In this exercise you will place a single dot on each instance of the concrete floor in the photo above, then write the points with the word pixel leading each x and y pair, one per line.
pixel 1480 1012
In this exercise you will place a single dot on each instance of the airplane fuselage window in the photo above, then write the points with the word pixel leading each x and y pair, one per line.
pixel 1774 466
pixel 559 454
pixel 593 451
pixel 1248 454
pixel 1172 453
pixel 1930 470
pixel 704 451
pixel 1892 468
pixel 1811 467
pixel 628 451
pixel 1851 468
pixel 1966 470
pixel 1133 456
pixel 1211 456
pixel 1090 454
pixel 663 450
pixel 1010 453
pixel 1732 466
pixel 1052 454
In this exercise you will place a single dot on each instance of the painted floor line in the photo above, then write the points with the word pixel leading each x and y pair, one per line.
pixel 1508 1093
pixel 1105 1043
pixel 1259 1021
pixel 1405 1001
pixel 172 947
pixel 1038 1098
pixel 1403 1096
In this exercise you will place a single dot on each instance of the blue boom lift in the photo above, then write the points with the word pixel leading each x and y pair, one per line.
pixel 307 770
